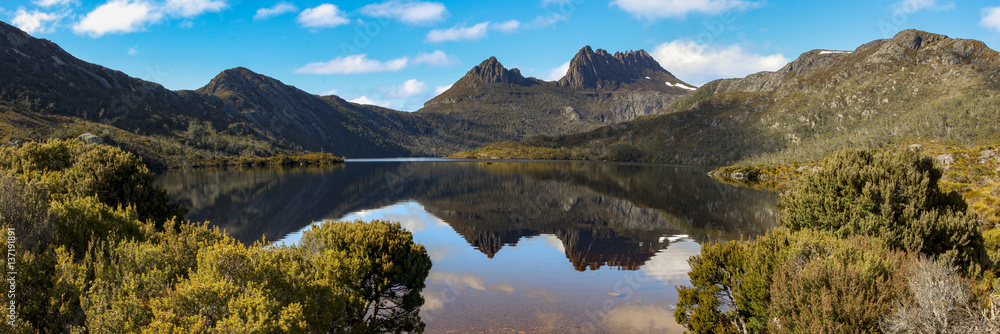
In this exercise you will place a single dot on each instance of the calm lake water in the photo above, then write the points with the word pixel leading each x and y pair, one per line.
pixel 533 247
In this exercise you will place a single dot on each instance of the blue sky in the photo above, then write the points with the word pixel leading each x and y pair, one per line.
pixel 399 53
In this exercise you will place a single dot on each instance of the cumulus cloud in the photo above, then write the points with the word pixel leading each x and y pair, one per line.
pixel 50 3
pixel 657 9
pixel 441 89
pixel 366 100
pixel 411 12
pixel 558 72
pixel 278 9
pixel 698 64
pixel 118 16
pixel 191 8
pixel 508 26
pixel 458 33
pixel 991 18
pixel 436 58
pixel 322 16
pixel 126 16
pixel 35 21
pixel 913 6
pixel 408 89
pixel 354 64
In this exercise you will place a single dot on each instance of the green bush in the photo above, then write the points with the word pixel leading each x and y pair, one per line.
pixel 792 281
pixel 887 194
pixel 73 169
pixel 93 263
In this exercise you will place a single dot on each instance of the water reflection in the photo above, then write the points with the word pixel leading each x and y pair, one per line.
pixel 521 246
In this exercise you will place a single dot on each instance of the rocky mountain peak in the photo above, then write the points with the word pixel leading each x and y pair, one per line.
pixel 239 79
pixel 599 69
pixel 914 39
pixel 490 71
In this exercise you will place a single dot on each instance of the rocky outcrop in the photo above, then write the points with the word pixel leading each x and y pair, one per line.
pixel 599 69
pixel 490 71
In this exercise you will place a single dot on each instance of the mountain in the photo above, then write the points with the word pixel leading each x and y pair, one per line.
pixel 240 112
pixel 500 104
pixel 601 70
pixel 916 86
pixel 310 121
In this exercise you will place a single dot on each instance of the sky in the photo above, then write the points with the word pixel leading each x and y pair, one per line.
pixel 401 53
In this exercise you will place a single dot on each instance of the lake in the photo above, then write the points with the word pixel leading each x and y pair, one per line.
pixel 517 246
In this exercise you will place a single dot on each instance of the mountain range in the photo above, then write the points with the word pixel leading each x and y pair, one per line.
pixel 240 112
pixel 914 87
pixel 623 106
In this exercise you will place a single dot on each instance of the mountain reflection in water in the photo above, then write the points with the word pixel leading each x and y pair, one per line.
pixel 617 224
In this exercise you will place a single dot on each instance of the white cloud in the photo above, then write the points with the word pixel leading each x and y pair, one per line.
pixel 657 9
pixel 322 16
pixel 118 16
pixel 354 64
pixel 190 8
pixel 458 33
pixel 698 64
pixel 132 51
pixel 35 21
pixel 508 26
pixel 329 92
pixel 546 21
pixel 278 9
pixel 412 12
pixel 913 6
pixel 441 89
pixel 436 58
pixel 558 72
pixel 366 100
pixel 50 3
pixel 410 88
pixel 991 18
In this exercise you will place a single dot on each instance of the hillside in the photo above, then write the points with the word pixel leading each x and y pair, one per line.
pixel 917 86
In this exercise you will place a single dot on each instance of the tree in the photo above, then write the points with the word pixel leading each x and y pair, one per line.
pixel 887 194
pixel 383 269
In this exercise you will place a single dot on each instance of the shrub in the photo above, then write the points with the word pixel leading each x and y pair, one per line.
pixel 622 151
pixel 939 302
pixel 887 194
pixel 801 281
pixel 74 169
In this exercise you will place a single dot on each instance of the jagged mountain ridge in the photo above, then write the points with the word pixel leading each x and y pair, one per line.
pixel 599 69
pixel 915 86
pixel 598 89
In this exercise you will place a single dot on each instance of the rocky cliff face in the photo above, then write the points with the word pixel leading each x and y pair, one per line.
pixel 600 69
pixel 489 72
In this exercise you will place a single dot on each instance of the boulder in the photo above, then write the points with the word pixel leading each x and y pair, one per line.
pixel 90 138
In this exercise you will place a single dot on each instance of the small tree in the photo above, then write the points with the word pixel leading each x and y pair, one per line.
pixel 887 194
pixel 382 268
